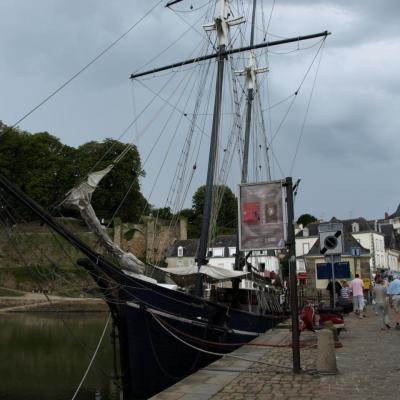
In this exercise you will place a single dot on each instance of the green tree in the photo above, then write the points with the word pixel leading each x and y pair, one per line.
pixel 193 227
pixel 162 213
pixel 39 164
pixel 46 170
pixel 306 219
pixel 120 189
pixel 227 216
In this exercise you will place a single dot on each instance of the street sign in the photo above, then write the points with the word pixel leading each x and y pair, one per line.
pixel 330 238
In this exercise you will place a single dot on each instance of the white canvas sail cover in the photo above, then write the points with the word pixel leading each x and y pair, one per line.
pixel 186 276
pixel 80 198
pixel 81 195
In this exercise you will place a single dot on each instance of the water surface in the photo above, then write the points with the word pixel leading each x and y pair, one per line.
pixel 44 356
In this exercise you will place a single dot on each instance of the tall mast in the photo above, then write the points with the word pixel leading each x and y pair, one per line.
pixel 221 26
pixel 250 71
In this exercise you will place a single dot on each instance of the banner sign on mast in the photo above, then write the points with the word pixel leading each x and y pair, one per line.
pixel 262 216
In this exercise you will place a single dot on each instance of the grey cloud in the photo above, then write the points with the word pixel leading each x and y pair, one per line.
pixel 350 144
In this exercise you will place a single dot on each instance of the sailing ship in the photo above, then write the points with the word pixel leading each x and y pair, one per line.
pixel 166 334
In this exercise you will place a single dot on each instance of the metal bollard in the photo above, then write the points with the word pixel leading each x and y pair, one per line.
pixel 326 360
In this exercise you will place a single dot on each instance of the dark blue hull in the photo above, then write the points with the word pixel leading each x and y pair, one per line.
pixel 162 333
pixel 166 335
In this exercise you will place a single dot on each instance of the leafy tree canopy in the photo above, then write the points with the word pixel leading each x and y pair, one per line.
pixel 46 170
pixel 162 213
pixel 306 219
pixel 227 216
pixel 121 184
pixel 39 164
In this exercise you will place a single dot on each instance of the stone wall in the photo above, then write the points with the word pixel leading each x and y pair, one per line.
pixel 150 241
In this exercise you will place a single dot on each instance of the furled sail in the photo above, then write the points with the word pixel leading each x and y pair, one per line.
pixel 185 276
pixel 79 198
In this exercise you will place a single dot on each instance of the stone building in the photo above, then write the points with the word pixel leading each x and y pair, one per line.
pixel 150 240
pixel 353 252
pixel 363 249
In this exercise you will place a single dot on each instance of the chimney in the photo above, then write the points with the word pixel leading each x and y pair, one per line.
pixel 386 215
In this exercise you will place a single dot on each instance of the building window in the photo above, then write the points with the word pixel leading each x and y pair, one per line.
pixel 355 251
pixel 180 251
pixel 232 251
pixel 306 248
pixel 261 267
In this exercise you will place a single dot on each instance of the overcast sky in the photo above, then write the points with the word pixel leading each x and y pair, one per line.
pixel 349 155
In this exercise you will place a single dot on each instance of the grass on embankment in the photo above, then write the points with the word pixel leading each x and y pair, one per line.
pixel 5 292
pixel 62 280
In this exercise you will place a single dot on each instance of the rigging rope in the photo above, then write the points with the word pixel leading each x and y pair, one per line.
pixel 48 299
pixel 220 344
pixel 213 353
pixel 305 115
pixel 182 115
pixel 191 27
pixel 264 137
pixel 92 359
pixel 86 66
pixel 191 8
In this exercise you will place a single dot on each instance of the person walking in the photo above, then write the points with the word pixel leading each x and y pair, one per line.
pixel 345 292
pixel 379 293
pixel 394 297
pixel 357 287
pixel 394 293
pixel 345 301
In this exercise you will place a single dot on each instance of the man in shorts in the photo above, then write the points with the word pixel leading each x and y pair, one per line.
pixel 357 287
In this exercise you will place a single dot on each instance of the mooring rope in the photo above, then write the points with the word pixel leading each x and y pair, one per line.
pixel 213 353
pixel 92 359
pixel 218 344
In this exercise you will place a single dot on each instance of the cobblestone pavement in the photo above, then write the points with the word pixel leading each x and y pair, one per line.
pixel 368 365
pixel 368 368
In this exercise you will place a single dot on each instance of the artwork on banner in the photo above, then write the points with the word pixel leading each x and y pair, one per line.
pixel 261 214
